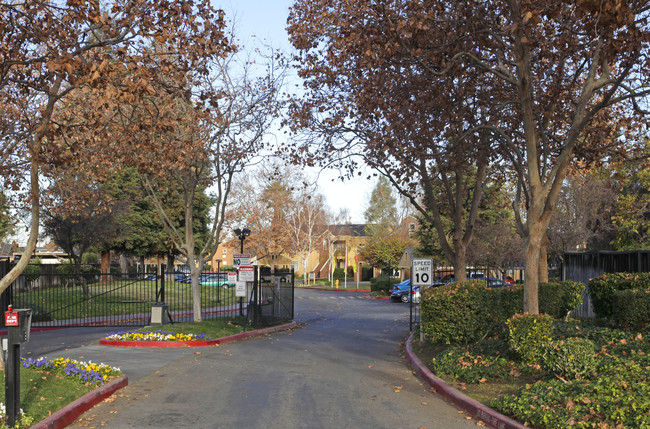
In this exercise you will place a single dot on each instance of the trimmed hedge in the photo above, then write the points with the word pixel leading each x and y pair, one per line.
pixel 382 284
pixel 560 298
pixel 479 310
pixel 631 309
pixel 457 312
pixel 603 288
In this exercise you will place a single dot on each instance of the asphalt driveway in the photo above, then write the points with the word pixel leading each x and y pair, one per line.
pixel 342 368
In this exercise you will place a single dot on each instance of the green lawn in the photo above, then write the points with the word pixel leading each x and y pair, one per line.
pixel 116 298
pixel 43 393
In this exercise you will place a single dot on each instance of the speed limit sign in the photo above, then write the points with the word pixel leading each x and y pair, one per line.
pixel 422 272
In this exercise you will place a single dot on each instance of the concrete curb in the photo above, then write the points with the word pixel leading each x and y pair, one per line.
pixel 174 344
pixel 471 406
pixel 73 410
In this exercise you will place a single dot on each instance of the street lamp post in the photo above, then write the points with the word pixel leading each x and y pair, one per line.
pixel 241 233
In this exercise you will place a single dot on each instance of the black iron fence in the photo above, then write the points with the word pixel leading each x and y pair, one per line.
pixel 495 277
pixel 272 298
pixel 95 299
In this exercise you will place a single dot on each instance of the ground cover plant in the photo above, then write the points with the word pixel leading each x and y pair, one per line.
pixel 545 370
pixel 48 385
pixel 590 375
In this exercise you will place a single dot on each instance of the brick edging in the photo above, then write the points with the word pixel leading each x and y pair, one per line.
pixel 471 406
pixel 73 410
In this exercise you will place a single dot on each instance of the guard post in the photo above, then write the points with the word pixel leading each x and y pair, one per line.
pixel 19 323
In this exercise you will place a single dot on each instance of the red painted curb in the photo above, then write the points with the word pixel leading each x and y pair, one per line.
pixel 73 410
pixel 328 289
pixel 165 344
pixel 471 406
pixel 173 344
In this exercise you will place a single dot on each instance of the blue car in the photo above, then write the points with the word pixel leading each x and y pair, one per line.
pixel 400 291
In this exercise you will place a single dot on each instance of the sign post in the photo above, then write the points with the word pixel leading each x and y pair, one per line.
pixel 422 276
pixel 422 272
pixel 18 322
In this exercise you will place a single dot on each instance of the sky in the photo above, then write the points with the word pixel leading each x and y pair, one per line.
pixel 265 20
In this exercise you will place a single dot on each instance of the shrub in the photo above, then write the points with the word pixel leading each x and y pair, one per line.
pixel 90 258
pixel 382 284
pixel 66 269
pixel 570 358
pixel 557 299
pixel 631 309
pixel 39 314
pixel 457 313
pixel 32 272
pixel 366 273
pixel 560 298
pixel 339 273
pixel 602 289
pixel 507 301
pixel 528 334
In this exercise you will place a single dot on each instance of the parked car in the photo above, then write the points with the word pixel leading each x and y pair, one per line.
pixel 182 277
pixel 399 287
pixel 403 295
pixel 492 282
pixel 400 292
pixel 187 279
pixel 216 280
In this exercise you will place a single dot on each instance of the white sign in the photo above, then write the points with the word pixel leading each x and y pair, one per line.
pixel 232 278
pixel 247 274
pixel 242 259
pixel 240 289
pixel 422 272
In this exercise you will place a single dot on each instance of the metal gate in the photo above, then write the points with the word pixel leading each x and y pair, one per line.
pixel 94 299
pixel 272 299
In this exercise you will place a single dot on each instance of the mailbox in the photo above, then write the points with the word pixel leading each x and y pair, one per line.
pixel 19 333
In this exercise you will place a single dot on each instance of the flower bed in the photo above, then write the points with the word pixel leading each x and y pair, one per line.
pixel 90 373
pixel 87 374
pixel 154 336
pixel 156 339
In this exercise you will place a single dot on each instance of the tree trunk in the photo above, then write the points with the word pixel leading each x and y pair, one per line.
pixel 106 266
pixel 460 261
pixel 195 271
pixel 536 233
pixel 81 278
pixel 124 265
pixel 543 260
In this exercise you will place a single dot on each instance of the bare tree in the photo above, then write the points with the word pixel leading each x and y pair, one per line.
pixel 307 222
